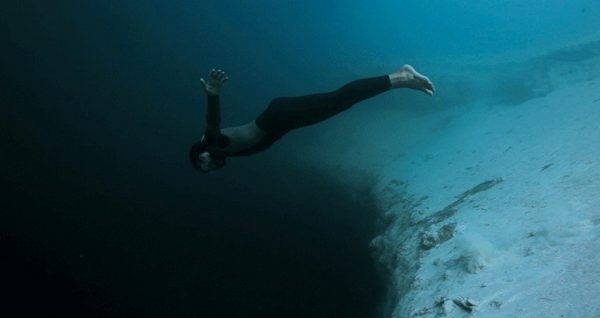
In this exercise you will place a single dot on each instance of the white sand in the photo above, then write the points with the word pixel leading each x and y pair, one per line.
pixel 526 247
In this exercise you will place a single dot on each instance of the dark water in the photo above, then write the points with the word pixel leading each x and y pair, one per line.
pixel 102 215
pixel 168 252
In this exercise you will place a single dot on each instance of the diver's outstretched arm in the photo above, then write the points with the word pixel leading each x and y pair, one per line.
pixel 212 88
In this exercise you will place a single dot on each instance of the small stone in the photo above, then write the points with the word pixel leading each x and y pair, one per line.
pixel 429 240
pixel 445 276
pixel 530 251
pixel 421 312
pixel 465 304
pixel 495 304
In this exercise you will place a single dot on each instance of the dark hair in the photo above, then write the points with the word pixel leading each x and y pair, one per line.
pixel 195 150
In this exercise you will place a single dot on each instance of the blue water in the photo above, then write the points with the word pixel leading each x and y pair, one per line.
pixel 103 216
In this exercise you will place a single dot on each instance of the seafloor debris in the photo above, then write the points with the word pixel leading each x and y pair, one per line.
pixel 430 239
pixel 443 307
pixel 495 304
pixel 465 304
pixel 449 210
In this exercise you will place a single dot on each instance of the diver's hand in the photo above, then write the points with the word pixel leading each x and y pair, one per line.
pixel 215 82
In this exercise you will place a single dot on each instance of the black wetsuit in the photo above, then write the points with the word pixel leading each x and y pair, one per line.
pixel 287 113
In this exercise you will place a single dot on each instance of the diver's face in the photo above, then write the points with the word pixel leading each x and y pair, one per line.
pixel 206 162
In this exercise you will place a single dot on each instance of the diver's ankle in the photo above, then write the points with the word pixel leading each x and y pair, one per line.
pixel 401 78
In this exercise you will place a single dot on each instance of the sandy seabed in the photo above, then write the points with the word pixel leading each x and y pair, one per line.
pixel 498 213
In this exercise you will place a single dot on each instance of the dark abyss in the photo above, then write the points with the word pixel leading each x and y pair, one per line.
pixel 102 216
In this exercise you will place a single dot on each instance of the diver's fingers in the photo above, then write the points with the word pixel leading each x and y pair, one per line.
pixel 222 76
pixel 214 73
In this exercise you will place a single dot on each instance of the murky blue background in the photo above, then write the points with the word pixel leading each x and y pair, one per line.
pixel 103 216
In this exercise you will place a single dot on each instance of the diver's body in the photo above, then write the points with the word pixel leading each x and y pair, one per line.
pixel 285 114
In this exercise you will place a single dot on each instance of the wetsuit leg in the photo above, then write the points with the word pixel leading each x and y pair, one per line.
pixel 287 113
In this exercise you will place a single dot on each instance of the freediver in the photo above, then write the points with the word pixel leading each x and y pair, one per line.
pixel 285 114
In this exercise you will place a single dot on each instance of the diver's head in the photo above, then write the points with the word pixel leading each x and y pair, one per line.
pixel 202 160
pixel 207 163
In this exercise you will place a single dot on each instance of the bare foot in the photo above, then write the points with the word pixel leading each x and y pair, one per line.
pixel 407 77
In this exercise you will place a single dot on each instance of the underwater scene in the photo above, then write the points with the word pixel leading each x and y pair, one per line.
pixel 300 158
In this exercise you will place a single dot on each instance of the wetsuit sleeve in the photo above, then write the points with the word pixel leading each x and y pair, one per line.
pixel 213 119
